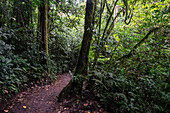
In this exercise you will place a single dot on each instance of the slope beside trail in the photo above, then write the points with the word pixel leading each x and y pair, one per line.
pixel 39 99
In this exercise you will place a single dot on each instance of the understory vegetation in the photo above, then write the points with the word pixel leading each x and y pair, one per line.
pixel 128 62
pixel 22 63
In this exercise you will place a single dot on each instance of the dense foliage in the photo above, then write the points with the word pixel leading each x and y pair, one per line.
pixel 21 57
pixel 128 56
pixel 132 74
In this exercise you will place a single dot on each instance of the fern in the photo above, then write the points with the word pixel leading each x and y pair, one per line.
pixel 100 82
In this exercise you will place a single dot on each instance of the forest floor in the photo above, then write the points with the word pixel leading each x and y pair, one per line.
pixel 43 99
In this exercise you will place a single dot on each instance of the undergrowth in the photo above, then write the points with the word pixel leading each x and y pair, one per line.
pixel 22 63
pixel 138 83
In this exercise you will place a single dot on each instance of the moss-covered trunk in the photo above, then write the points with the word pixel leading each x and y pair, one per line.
pixel 75 86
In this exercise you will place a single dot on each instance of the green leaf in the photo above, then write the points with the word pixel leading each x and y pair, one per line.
pixel 122 72
pixel 166 85
pixel 98 81
pixel 18 69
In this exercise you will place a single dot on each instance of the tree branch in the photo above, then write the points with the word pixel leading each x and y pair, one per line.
pixel 109 19
pixel 139 43
pixel 126 12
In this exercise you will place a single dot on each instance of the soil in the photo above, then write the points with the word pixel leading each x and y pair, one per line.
pixel 43 99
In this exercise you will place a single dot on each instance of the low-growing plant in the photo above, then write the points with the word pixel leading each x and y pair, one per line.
pixel 121 94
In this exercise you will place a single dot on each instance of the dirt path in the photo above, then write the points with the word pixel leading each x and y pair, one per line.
pixel 40 99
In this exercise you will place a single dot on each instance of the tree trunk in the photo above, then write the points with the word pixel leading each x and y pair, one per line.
pixel 1 21
pixel 75 86
pixel 44 26
pixel 82 64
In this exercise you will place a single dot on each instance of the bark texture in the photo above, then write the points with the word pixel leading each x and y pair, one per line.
pixel 75 86
pixel 84 52
pixel 43 8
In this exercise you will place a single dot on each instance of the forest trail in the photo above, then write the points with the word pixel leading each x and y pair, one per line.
pixel 40 99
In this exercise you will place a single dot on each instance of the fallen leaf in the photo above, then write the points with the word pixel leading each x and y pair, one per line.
pixel 21 99
pixel 58 110
pixel 6 91
pixel 21 95
pixel 24 93
pixel 24 107
pixel 66 108
pixel 101 110
pixel 91 102
pixel 85 105
pixel 50 102
pixel 6 111
pixel 98 105
pixel 11 107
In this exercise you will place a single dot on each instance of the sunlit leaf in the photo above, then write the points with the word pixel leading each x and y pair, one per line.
pixel 6 111
pixel 24 107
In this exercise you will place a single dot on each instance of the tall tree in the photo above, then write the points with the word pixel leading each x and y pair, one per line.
pixel 44 25
pixel 82 65
pixel 2 5
pixel 21 12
